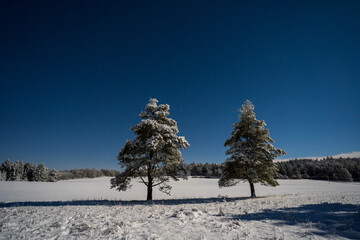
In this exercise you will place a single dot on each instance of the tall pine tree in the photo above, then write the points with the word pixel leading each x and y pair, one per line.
pixel 154 155
pixel 251 152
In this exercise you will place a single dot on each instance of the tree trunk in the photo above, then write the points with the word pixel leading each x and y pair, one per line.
pixel 149 193
pixel 150 184
pixel 252 189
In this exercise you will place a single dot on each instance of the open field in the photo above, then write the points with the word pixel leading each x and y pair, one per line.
pixel 197 209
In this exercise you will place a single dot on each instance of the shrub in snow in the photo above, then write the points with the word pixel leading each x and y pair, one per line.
pixel 251 152
pixel 154 155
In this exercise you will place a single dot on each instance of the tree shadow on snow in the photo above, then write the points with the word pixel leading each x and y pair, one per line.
pixel 325 219
pixel 119 203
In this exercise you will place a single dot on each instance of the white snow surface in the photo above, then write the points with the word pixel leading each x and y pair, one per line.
pixel 197 209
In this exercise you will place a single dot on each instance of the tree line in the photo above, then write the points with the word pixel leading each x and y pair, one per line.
pixel 340 169
pixel 331 169
pixel 86 173
pixel 211 170
pixel 17 171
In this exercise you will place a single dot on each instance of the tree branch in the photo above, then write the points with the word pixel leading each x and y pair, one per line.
pixel 157 184
pixel 143 180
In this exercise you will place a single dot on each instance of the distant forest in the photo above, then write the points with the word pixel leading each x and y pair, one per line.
pixel 331 169
pixel 339 169
pixel 86 173
pixel 17 171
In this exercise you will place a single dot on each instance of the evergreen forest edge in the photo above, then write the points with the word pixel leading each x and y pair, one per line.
pixel 330 169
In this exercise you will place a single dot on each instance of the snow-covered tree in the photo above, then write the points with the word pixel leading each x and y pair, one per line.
pixel 4 168
pixel 30 172
pixel 19 171
pixel 42 173
pixel 154 156
pixel 251 152
pixel 2 175
pixel 53 176
pixel 9 169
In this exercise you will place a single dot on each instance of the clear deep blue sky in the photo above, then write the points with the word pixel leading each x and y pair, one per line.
pixel 76 74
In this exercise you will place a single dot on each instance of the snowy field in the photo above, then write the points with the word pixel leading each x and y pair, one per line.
pixel 197 209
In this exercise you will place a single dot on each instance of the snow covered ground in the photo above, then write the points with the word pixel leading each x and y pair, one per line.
pixel 197 209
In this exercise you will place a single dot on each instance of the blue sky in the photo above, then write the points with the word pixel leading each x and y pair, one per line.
pixel 76 74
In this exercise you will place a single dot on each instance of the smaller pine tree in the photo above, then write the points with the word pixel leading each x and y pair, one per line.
pixel 251 152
